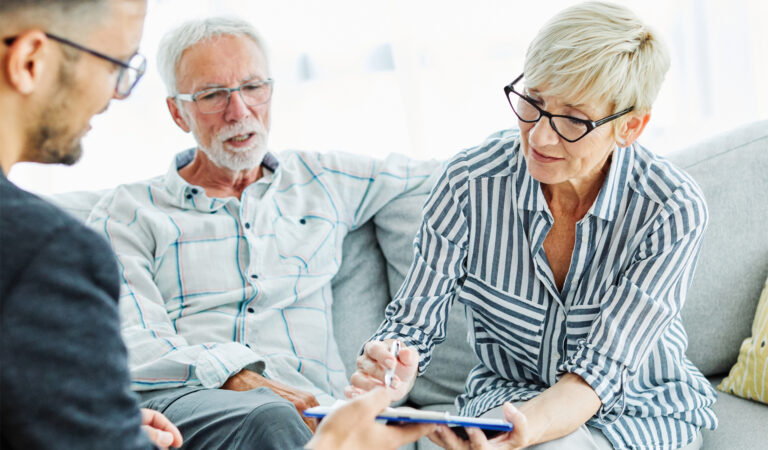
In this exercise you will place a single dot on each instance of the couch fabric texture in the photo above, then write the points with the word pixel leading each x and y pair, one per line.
pixel 731 170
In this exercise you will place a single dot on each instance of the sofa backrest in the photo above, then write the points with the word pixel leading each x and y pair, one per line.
pixel 732 170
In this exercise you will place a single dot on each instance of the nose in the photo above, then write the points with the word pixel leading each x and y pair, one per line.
pixel 236 109
pixel 542 133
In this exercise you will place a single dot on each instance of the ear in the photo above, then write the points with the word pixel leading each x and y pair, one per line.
pixel 25 61
pixel 177 115
pixel 631 129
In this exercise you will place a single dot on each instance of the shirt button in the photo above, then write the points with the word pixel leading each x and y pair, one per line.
pixel 303 221
pixel 251 310
pixel 255 277
pixel 194 191
pixel 247 225
pixel 189 197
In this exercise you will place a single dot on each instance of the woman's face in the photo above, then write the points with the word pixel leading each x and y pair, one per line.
pixel 553 160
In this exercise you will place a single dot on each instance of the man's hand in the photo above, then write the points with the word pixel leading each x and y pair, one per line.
pixel 353 426
pixel 519 437
pixel 245 380
pixel 160 430
pixel 373 364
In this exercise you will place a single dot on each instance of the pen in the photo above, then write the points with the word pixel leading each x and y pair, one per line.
pixel 390 373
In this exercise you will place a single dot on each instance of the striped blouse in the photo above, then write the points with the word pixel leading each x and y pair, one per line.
pixel 616 322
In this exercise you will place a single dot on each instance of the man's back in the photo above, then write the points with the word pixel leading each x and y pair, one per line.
pixel 64 378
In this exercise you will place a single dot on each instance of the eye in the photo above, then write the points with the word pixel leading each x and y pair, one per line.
pixel 211 95
pixel 252 87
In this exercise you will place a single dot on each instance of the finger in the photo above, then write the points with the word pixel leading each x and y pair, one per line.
pixel 365 382
pixel 477 439
pixel 378 351
pixel 369 367
pixel 156 419
pixel 353 392
pixel 311 423
pixel 160 438
pixel 402 435
pixel 449 440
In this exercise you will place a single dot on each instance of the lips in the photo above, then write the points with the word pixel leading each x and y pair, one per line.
pixel 543 158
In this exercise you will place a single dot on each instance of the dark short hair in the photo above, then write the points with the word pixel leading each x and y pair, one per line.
pixel 62 5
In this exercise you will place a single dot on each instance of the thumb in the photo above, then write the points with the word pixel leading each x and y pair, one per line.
pixel 513 415
pixel 160 438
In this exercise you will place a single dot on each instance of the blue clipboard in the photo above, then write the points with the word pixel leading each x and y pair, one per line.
pixel 410 415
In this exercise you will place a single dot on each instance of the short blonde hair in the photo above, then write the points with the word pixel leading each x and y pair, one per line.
pixel 598 51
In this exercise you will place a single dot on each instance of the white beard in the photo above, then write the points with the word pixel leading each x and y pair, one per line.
pixel 236 159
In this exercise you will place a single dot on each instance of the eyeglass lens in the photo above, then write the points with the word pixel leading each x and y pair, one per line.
pixel 129 77
pixel 217 100
pixel 567 128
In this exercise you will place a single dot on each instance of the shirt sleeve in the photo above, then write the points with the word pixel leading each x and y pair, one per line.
pixel 637 310
pixel 65 380
pixel 159 357
pixel 365 185
pixel 419 312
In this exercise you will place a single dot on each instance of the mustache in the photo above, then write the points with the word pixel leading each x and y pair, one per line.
pixel 243 127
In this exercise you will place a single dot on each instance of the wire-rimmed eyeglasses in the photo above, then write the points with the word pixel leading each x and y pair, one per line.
pixel 214 100
pixel 567 127
pixel 130 71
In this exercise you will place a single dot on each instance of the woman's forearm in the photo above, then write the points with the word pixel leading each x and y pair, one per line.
pixel 561 409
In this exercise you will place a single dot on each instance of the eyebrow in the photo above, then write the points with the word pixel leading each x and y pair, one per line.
pixel 218 85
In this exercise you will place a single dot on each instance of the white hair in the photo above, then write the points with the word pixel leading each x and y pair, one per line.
pixel 176 41
pixel 598 51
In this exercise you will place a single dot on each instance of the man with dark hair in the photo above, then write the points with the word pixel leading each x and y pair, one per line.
pixel 64 379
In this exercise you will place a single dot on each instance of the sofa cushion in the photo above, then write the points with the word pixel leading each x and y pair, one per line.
pixel 396 227
pixel 742 423
pixel 731 170
pixel 749 376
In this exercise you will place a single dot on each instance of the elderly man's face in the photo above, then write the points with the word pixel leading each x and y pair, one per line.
pixel 235 138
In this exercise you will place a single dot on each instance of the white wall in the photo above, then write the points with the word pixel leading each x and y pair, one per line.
pixel 421 77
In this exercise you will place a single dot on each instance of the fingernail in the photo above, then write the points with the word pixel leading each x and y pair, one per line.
pixel 165 438
pixel 394 383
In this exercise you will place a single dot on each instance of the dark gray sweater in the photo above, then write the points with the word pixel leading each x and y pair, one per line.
pixel 63 366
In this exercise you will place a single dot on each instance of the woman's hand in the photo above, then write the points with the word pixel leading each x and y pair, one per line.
pixel 160 430
pixel 517 438
pixel 373 364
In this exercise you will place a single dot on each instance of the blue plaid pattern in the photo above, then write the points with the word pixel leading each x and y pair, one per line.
pixel 214 285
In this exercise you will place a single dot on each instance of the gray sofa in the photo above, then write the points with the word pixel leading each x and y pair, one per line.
pixel 732 169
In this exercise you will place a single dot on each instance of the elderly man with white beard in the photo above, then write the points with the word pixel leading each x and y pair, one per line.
pixel 226 261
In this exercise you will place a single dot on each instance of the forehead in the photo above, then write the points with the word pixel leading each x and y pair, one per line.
pixel 554 98
pixel 220 61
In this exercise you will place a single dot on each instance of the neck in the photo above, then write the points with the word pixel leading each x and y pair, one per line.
pixel 11 137
pixel 574 197
pixel 218 181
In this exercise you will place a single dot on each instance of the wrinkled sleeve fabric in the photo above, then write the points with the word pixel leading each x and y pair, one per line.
pixel 419 311
pixel 65 380
pixel 159 357
pixel 640 307
pixel 365 185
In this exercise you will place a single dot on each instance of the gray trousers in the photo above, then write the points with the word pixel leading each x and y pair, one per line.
pixel 221 419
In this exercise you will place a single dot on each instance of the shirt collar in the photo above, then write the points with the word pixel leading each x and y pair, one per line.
pixel 193 197
pixel 606 205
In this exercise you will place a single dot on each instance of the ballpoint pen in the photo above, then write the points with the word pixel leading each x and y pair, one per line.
pixel 390 373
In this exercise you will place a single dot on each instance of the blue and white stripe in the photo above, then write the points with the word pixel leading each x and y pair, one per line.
pixel 616 322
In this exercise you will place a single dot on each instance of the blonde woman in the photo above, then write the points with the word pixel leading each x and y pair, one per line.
pixel 571 248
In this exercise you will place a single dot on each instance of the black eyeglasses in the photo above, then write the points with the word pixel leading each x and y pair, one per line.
pixel 567 127
pixel 130 71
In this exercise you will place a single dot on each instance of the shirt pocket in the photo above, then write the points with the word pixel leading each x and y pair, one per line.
pixel 306 241
pixel 578 323
pixel 503 321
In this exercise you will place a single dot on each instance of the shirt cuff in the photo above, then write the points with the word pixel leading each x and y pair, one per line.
pixel 218 362
pixel 606 377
